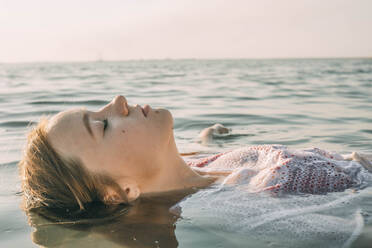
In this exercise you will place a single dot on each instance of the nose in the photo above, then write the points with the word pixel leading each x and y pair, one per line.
pixel 120 105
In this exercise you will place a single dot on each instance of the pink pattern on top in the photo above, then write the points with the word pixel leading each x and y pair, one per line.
pixel 205 161
pixel 277 169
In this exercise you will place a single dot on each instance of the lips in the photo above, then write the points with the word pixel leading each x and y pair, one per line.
pixel 146 110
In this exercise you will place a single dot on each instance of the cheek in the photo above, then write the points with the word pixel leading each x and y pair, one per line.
pixel 130 140
pixel 140 141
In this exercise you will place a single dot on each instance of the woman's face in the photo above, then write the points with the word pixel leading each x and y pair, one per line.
pixel 119 140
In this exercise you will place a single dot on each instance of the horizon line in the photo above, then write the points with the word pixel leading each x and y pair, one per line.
pixel 190 58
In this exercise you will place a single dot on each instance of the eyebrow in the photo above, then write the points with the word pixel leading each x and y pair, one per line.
pixel 86 123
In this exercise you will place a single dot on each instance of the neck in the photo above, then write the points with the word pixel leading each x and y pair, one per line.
pixel 175 174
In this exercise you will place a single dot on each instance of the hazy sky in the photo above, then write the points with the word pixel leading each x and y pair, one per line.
pixel 80 30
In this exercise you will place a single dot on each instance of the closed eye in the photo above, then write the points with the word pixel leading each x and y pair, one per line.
pixel 105 124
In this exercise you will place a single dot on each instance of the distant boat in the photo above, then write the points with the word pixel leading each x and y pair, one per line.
pixel 99 59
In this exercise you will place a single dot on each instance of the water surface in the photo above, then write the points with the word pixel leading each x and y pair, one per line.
pixel 296 102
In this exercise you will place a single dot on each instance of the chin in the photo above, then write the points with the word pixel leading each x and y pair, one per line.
pixel 166 115
pixel 167 120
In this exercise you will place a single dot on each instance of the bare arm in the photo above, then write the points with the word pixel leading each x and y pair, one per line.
pixel 206 135
pixel 363 159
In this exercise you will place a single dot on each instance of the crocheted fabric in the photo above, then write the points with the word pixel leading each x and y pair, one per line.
pixel 277 169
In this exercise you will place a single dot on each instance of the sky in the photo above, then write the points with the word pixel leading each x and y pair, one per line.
pixel 82 30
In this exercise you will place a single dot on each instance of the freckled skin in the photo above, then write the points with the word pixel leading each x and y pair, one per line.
pixel 134 146
pixel 120 153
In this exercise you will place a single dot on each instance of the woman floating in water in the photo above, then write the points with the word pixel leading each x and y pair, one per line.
pixel 122 152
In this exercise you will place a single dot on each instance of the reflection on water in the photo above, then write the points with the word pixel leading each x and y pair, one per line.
pixel 147 223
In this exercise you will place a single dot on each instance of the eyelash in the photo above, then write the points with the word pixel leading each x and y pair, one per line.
pixel 105 124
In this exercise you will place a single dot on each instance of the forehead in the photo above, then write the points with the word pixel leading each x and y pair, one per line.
pixel 65 119
pixel 66 130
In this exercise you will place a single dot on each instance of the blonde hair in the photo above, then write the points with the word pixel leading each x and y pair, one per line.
pixel 52 181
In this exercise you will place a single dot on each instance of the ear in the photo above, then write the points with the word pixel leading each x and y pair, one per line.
pixel 131 189
pixel 128 192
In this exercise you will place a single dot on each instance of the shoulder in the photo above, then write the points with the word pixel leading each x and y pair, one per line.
pixel 232 158
pixel 248 151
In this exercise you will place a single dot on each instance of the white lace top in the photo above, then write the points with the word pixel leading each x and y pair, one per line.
pixel 277 169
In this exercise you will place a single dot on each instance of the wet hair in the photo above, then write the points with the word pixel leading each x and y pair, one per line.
pixel 49 180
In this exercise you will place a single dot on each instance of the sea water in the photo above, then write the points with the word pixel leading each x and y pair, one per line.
pixel 300 103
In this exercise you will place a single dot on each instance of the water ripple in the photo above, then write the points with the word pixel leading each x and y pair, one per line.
pixel 87 102
pixel 16 123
